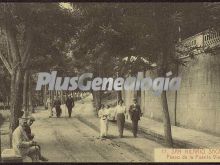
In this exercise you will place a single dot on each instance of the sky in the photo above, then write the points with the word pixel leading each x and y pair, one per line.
pixel 66 6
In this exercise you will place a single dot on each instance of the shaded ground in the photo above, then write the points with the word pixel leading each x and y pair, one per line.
pixel 77 139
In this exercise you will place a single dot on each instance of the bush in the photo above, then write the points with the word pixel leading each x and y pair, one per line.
pixel 5 115
pixel 6 107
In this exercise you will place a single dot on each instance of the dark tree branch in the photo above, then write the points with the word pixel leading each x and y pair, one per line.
pixel 11 36
pixel 6 63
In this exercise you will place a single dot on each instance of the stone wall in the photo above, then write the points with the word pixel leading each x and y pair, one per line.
pixel 197 101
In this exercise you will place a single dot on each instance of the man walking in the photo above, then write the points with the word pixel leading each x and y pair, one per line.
pixel 70 104
pixel 57 104
pixel 135 114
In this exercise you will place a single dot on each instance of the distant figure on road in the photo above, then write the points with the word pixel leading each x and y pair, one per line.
pixel 103 115
pixel 135 114
pixel 70 104
pixel 57 104
pixel 30 135
pixel 120 116
pixel 49 106
pixel 21 143
pixel 48 103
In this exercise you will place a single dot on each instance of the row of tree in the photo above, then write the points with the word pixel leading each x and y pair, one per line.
pixel 95 37
pixel 110 33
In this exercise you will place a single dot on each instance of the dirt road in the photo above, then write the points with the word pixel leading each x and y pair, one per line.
pixel 77 139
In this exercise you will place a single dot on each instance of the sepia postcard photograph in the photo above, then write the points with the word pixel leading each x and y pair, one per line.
pixel 109 82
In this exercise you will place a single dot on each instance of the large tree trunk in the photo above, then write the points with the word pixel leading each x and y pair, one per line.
pixel 62 98
pixel 97 100
pixel 41 99
pixel 52 97
pixel 119 95
pixel 139 97
pixel 45 97
pixel 25 92
pixel 15 63
pixel 166 120
pixel 166 116
pixel 15 99
pixel 8 101
pixel 31 108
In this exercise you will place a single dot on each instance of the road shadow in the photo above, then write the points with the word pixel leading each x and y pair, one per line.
pixel 117 137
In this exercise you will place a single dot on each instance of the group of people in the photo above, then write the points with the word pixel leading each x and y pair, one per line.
pixel 120 113
pixel 23 139
pixel 57 105
pixel 23 142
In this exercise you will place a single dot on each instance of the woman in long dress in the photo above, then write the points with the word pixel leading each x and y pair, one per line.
pixel 120 116
pixel 103 115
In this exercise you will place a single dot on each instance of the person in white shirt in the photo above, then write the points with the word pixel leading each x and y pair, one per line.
pixel 120 112
pixel 103 115
pixel 21 143
pixel 48 102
